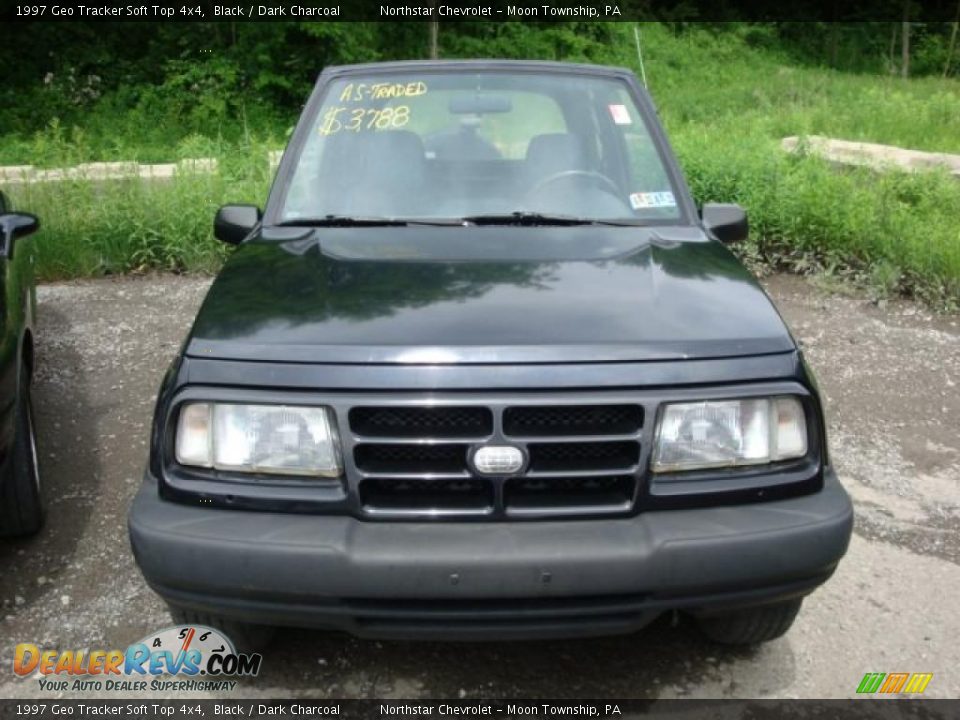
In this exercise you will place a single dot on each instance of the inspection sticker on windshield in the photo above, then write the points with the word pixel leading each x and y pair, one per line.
pixel 652 200
pixel 620 114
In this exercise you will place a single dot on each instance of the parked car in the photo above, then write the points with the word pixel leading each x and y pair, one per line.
pixel 482 369
pixel 21 502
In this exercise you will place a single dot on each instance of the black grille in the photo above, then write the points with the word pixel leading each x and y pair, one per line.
pixel 569 492
pixel 485 615
pixel 558 420
pixel 410 458
pixel 423 495
pixel 583 456
pixel 422 422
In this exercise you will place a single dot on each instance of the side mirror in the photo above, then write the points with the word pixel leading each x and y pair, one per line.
pixel 234 222
pixel 727 222
pixel 16 225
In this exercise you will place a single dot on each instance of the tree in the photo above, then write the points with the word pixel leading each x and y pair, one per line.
pixel 953 42
pixel 434 31
pixel 905 42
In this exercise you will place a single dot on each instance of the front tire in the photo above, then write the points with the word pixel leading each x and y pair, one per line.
pixel 21 501
pixel 751 626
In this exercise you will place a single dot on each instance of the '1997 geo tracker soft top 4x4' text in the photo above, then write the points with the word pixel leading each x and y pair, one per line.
pixel 482 369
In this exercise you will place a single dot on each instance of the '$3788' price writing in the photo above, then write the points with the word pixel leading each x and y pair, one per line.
pixel 359 119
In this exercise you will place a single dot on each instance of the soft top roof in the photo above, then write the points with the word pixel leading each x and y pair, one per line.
pixel 475 65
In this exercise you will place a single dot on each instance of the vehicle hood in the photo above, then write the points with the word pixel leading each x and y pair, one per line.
pixel 491 294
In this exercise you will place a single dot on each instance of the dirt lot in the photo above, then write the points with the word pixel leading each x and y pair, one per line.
pixel 890 377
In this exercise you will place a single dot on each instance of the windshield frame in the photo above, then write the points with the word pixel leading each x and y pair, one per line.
pixel 284 175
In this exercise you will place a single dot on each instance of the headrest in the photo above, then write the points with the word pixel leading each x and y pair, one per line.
pixel 554 152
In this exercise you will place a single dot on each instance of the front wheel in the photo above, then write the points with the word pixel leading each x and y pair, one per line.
pixel 21 501
pixel 750 626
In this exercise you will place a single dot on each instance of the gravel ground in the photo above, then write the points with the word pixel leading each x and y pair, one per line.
pixel 890 379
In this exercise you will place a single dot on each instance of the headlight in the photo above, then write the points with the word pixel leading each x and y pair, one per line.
pixel 723 433
pixel 275 439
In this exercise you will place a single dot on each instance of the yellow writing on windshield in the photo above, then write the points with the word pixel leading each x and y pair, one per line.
pixel 356 92
pixel 356 119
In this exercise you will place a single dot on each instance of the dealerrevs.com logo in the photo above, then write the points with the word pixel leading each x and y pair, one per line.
pixel 182 657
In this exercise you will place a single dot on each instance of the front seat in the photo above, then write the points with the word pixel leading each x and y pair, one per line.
pixel 552 153
pixel 375 173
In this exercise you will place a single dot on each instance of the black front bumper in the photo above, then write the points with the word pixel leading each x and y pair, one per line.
pixel 486 580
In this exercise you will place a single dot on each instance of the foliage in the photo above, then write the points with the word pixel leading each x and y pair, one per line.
pixel 727 95
pixel 894 232
pixel 131 225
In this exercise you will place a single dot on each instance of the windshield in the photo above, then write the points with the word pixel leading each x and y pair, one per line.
pixel 478 146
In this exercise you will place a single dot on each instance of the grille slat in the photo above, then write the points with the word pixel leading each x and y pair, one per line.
pixel 572 420
pixel 425 422
pixel 525 494
pixel 545 457
pixel 468 495
pixel 387 459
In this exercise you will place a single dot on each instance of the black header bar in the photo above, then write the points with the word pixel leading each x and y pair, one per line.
pixel 475 11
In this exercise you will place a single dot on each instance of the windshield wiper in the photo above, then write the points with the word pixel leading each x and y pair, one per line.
pixel 519 217
pixel 360 221
pixel 340 221
pixel 523 217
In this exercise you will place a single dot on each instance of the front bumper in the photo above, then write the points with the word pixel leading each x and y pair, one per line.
pixel 486 580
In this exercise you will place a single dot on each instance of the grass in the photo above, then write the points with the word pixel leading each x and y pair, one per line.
pixel 725 104
pixel 130 225
pixel 716 83
pixel 893 232
pixel 726 107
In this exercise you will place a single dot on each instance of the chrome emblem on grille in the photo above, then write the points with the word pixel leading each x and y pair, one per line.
pixel 498 460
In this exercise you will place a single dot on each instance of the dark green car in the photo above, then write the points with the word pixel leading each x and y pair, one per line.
pixel 21 504
pixel 483 369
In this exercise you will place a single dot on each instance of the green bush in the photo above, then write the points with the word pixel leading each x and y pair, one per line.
pixel 896 232
pixel 129 225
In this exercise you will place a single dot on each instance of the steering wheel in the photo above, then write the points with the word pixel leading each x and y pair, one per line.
pixel 564 174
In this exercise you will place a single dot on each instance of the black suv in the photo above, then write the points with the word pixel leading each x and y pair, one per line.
pixel 21 503
pixel 481 369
